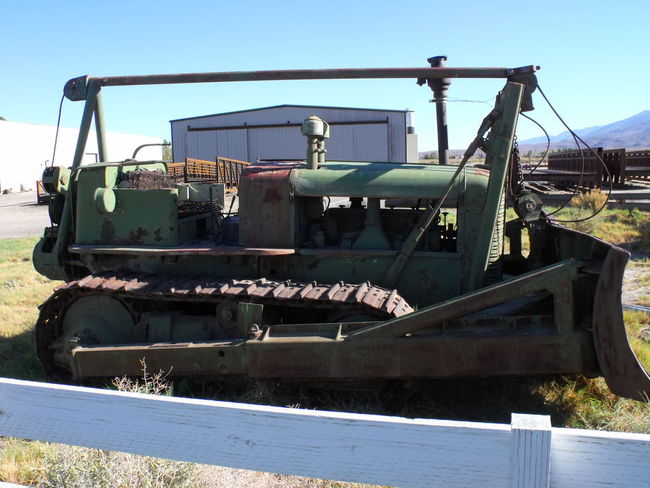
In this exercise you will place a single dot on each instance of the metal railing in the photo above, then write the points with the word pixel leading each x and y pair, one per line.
pixel 574 168
pixel 221 170
pixel 622 165
pixel 637 164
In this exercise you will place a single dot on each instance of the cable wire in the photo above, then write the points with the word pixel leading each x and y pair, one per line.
pixel 58 124
pixel 576 189
pixel 548 142
pixel 465 100
pixel 577 138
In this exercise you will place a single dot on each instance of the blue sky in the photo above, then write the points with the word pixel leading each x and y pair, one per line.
pixel 594 57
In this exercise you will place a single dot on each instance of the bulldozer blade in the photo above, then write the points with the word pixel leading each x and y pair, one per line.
pixel 619 365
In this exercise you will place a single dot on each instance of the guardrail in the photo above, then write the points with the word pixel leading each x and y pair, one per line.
pixel 338 446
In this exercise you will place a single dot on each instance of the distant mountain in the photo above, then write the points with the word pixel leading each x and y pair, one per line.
pixel 630 133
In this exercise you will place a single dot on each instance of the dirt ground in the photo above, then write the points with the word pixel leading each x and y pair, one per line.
pixel 637 275
pixel 20 216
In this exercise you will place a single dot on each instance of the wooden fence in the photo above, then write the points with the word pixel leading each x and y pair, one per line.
pixel 338 446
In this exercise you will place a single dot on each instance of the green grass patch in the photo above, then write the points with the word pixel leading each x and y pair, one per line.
pixel 22 462
pixel 627 228
pixel 589 402
pixel 22 290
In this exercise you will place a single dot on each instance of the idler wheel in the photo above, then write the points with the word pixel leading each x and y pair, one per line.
pixel 97 319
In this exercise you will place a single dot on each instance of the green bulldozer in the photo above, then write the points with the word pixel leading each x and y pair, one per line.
pixel 416 274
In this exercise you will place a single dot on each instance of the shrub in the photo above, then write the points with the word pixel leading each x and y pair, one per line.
pixel 71 466
pixel 591 200
pixel 74 467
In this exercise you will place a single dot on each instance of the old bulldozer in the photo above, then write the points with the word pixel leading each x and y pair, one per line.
pixel 414 274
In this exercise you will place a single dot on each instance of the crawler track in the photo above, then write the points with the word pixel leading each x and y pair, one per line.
pixel 136 290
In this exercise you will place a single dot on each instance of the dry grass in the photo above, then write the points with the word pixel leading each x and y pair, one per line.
pixel 644 231
pixel 627 228
pixel 591 200
pixel 590 402
pixel 78 467
pixel 45 465
pixel 638 333
pixel 21 462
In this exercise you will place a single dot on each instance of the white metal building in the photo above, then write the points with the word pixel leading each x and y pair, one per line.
pixel 25 149
pixel 274 133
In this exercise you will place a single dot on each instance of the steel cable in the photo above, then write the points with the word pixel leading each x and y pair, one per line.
pixel 577 138
pixel 58 124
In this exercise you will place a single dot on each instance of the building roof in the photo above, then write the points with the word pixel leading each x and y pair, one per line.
pixel 289 105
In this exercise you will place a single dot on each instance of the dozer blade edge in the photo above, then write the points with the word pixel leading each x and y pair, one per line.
pixel 619 365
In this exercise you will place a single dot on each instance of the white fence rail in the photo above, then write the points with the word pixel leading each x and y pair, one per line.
pixel 337 446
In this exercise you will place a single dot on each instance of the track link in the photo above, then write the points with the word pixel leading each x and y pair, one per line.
pixel 364 296
pixel 338 297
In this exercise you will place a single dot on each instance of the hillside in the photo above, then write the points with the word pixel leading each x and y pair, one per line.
pixel 630 133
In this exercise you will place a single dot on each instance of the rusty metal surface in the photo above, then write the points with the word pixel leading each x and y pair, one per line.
pixel 221 170
pixel 339 297
pixel 637 164
pixel 147 180
pixel 267 215
pixel 314 357
pixel 550 278
pixel 575 168
pixel 185 359
pixel 624 374
pixel 432 357
pixel 619 165
pixel 615 162
pixel 307 74
pixel 364 295
pixel 84 87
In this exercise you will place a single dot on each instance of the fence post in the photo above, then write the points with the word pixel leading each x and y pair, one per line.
pixel 531 451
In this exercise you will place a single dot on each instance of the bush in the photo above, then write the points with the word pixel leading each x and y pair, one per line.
pixel 591 200
pixel 71 466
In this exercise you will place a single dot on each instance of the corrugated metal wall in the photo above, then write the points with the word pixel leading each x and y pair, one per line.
pixel 274 133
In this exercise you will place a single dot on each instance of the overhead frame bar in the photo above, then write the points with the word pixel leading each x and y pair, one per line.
pixel 75 89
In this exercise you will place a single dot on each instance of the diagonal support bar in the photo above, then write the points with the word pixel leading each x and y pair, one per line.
pixel 497 158
pixel 544 279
